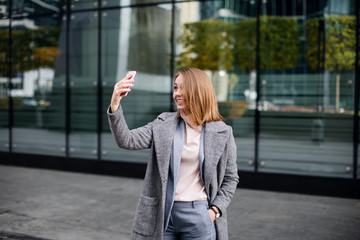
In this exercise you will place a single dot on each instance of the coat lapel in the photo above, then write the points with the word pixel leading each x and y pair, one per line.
pixel 163 138
pixel 214 143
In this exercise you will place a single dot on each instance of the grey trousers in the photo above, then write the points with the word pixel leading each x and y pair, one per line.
pixel 190 220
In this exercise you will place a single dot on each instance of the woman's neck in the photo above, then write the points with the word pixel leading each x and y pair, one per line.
pixel 188 119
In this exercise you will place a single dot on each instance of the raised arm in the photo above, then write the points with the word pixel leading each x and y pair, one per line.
pixel 139 138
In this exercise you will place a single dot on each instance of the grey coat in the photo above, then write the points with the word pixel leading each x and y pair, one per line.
pixel 220 169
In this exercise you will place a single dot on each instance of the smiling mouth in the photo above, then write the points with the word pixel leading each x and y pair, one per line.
pixel 179 101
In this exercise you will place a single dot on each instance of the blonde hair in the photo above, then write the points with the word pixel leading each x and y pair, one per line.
pixel 199 96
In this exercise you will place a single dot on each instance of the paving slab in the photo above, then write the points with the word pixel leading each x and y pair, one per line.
pixel 49 204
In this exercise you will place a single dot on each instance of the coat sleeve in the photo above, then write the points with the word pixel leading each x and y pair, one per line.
pixel 231 178
pixel 136 139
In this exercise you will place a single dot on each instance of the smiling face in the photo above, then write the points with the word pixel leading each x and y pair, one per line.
pixel 194 96
pixel 178 94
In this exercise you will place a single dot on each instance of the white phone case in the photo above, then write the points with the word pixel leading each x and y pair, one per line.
pixel 133 73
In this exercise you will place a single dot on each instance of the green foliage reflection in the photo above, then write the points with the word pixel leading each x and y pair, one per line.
pixel 207 45
pixel 30 49
pixel 279 43
pixel 217 45
pixel 339 43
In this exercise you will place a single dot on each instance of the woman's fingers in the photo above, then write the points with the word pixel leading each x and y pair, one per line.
pixel 212 215
pixel 123 87
pixel 123 92
pixel 125 82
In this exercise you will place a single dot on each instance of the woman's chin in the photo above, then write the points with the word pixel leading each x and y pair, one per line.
pixel 180 107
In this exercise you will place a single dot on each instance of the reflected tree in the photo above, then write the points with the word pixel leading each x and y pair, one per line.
pixel 339 46
pixel 279 43
pixel 31 49
pixel 217 45
pixel 279 48
pixel 207 45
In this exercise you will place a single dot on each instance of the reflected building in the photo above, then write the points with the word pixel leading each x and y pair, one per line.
pixel 283 72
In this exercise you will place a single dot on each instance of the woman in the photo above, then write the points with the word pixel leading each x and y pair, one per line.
pixel 191 173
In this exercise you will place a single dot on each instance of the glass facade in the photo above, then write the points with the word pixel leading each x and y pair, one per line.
pixel 306 98
pixel 83 75
pixel 284 73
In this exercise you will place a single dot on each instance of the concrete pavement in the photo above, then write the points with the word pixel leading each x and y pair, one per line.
pixel 47 204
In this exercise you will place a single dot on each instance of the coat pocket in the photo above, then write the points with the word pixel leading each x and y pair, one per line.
pixel 146 215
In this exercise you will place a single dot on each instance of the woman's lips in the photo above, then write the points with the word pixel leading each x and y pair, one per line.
pixel 179 101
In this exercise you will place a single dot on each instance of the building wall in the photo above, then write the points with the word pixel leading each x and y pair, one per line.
pixel 285 85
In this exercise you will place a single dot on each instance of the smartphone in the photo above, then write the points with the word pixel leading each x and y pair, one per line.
pixel 132 74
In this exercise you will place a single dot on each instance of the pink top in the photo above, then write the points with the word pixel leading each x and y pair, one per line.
pixel 189 186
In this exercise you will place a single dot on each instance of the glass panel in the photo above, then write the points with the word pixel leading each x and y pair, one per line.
pixel 358 80
pixel 38 101
pixel 28 8
pixel 124 3
pixel 4 10
pixel 83 4
pixel 306 89
pixel 4 88
pixel 212 36
pixel 83 83
pixel 136 39
pixel 17 7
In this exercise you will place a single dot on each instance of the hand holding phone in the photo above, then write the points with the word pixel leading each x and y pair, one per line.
pixel 121 89
pixel 131 73
pixel 130 76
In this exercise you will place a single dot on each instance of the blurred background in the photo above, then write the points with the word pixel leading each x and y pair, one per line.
pixel 285 75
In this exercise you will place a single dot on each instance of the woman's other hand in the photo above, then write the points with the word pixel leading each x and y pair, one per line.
pixel 212 215
pixel 120 90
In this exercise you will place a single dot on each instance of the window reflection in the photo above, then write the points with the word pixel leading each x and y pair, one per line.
pixel 305 113
pixel 84 4
pixel 125 3
pixel 4 85
pixel 302 98
pixel 83 84
pixel 28 8
pixel 34 52
pixel 208 39
pixel 139 41
pixel 302 90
